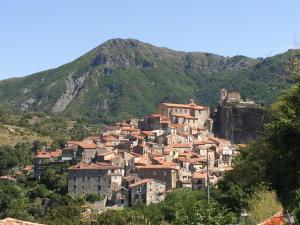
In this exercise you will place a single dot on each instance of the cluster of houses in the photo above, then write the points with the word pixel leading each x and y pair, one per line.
pixel 139 161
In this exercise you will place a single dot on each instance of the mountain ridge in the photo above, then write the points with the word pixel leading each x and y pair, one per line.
pixel 122 78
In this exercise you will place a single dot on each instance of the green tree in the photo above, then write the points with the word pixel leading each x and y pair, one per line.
pixel 262 205
pixel 122 217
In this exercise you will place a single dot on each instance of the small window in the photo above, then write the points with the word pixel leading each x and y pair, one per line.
pixel 99 187
pixel 82 187
pixel 88 178
pixel 99 178
pixel 74 186
pixel 82 178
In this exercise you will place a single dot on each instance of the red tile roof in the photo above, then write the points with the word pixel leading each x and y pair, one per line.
pixel 147 133
pixel 47 155
pixel 187 106
pixel 277 219
pixel 199 175
pixel 181 145
pixel 87 144
pixel 165 167
pixel 143 181
pixel 110 138
pixel 93 166
pixel 128 129
pixel 129 178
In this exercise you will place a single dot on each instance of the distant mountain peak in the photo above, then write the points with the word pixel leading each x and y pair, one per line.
pixel 122 78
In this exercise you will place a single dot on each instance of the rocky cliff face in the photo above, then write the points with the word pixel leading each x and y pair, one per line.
pixel 240 124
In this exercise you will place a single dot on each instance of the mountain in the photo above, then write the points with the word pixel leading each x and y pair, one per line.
pixel 122 78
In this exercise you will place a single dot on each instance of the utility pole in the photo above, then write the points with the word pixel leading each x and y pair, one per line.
pixel 207 178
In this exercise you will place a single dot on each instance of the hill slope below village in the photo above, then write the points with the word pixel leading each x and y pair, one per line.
pixel 125 78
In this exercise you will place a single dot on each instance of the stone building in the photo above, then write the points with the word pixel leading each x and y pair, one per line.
pixel 46 159
pixel 163 173
pixel 154 122
pixel 229 97
pixel 191 113
pixel 97 178
pixel 147 191
pixel 87 151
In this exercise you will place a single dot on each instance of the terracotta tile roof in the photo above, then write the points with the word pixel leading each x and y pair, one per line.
pixel 129 178
pixel 110 138
pixel 11 221
pixel 136 136
pixel 143 181
pixel 199 175
pixel 164 162
pixel 128 129
pixel 142 161
pixel 95 166
pixel 216 140
pixel 277 219
pixel 165 167
pixel 187 106
pixel 181 145
pixel 147 133
pixel 183 159
pixel 204 142
pixel 87 144
pixel 47 155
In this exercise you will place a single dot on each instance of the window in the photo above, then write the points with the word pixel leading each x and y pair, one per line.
pixel 88 178
pixel 154 173
pixel 99 187
pixel 82 178
pixel 165 173
pixel 99 178
pixel 74 186
pixel 74 178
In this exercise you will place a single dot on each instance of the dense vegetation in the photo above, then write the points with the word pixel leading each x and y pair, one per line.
pixel 127 78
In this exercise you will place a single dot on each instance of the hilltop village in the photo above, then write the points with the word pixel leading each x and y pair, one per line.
pixel 140 161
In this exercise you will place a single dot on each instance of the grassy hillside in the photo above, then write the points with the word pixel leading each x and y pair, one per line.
pixel 11 135
pixel 127 78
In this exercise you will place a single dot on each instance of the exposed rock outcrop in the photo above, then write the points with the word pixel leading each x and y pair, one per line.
pixel 73 87
pixel 240 124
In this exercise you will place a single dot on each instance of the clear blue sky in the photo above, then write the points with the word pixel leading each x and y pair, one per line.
pixel 42 34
